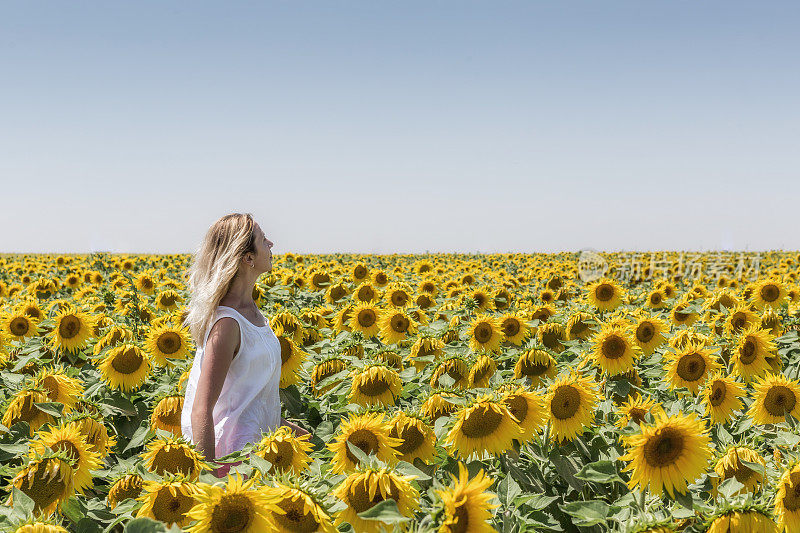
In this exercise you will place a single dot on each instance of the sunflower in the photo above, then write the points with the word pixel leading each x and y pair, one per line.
pixel 73 329
pixel 604 294
pixel 774 397
pixel 580 326
pixel 234 506
pixel 363 490
pixel 514 328
pixel 636 409
pixel 485 333
pixel 168 300
pixel 454 367
pixel 690 367
pixel 614 351
pixel 292 358
pixel 59 386
pixel 284 450
pixel 174 455
pixel 749 519
pixel 668 454
pixel 168 500
pixel 536 365
pixel 526 407
pixel 295 509
pixel 324 370
pixel 19 326
pixel 681 316
pixel 440 403
pixel 425 346
pixel 482 371
pixel 289 324
pixel 71 441
pixel 570 404
pixel 787 500
pixel 125 367
pixel 167 342
pixel 364 319
pixel 483 426
pixel 769 293
pixel 722 397
pixel 376 384
pixel 730 465
pixel 740 318
pixel 369 432
pixel 398 294
pixel 552 334
pixel 418 441
pixel 115 335
pixel 396 326
pixel 467 506
pixel 22 408
pixel 40 527
pixel 47 481
pixel 127 486
pixel 656 299
pixel 94 431
pixel 167 414
pixel 753 347
pixel 649 334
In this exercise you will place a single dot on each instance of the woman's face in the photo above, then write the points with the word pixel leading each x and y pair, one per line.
pixel 263 259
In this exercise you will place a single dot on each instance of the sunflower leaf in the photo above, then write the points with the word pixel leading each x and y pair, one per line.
pixel 144 525
pixel 261 464
pixel 385 511
pixel 587 513
pixel 599 472
pixel 730 487
pixel 51 408
pixel 22 501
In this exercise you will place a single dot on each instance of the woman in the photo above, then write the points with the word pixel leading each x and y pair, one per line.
pixel 232 390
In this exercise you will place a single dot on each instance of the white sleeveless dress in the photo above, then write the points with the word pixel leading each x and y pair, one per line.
pixel 249 403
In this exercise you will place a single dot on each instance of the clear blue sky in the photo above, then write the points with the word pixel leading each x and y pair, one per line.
pixel 401 126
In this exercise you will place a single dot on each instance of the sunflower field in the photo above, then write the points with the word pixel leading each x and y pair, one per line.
pixel 443 392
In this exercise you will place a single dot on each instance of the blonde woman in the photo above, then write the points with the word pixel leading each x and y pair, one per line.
pixel 232 390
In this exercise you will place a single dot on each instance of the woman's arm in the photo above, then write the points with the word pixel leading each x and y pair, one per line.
pixel 223 340
pixel 297 429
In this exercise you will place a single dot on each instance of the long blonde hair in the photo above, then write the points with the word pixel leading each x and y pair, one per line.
pixel 215 264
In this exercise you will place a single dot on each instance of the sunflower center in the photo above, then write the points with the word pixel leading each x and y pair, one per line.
pixel 637 414
pixel 518 406
pixel 295 518
pixel 770 293
pixel 614 347
pixel 365 440
pixel 360 272
pixel 233 513
pixel 533 369
pixel 679 315
pixel 578 329
pixel 70 326
pixel 366 294
pixel 412 438
pixel 19 326
pixel 718 390
pixel 483 332
pixel 645 332
pixel 400 323
pixel 170 417
pixel 738 320
pixel 655 298
pixel 480 373
pixel 511 327
pixel 173 459
pixel 373 386
pixel 691 367
pixel 565 403
pixel 460 521
pixel 359 496
pixel 127 361
pixel 791 501
pixel 169 342
pixel 399 298
pixel 748 353
pixel 286 349
pixel 44 487
pixel 481 422
pixel 779 399
pixel 604 292
pixel 281 458
pixel 664 448
pixel 67 446
pixel 366 318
